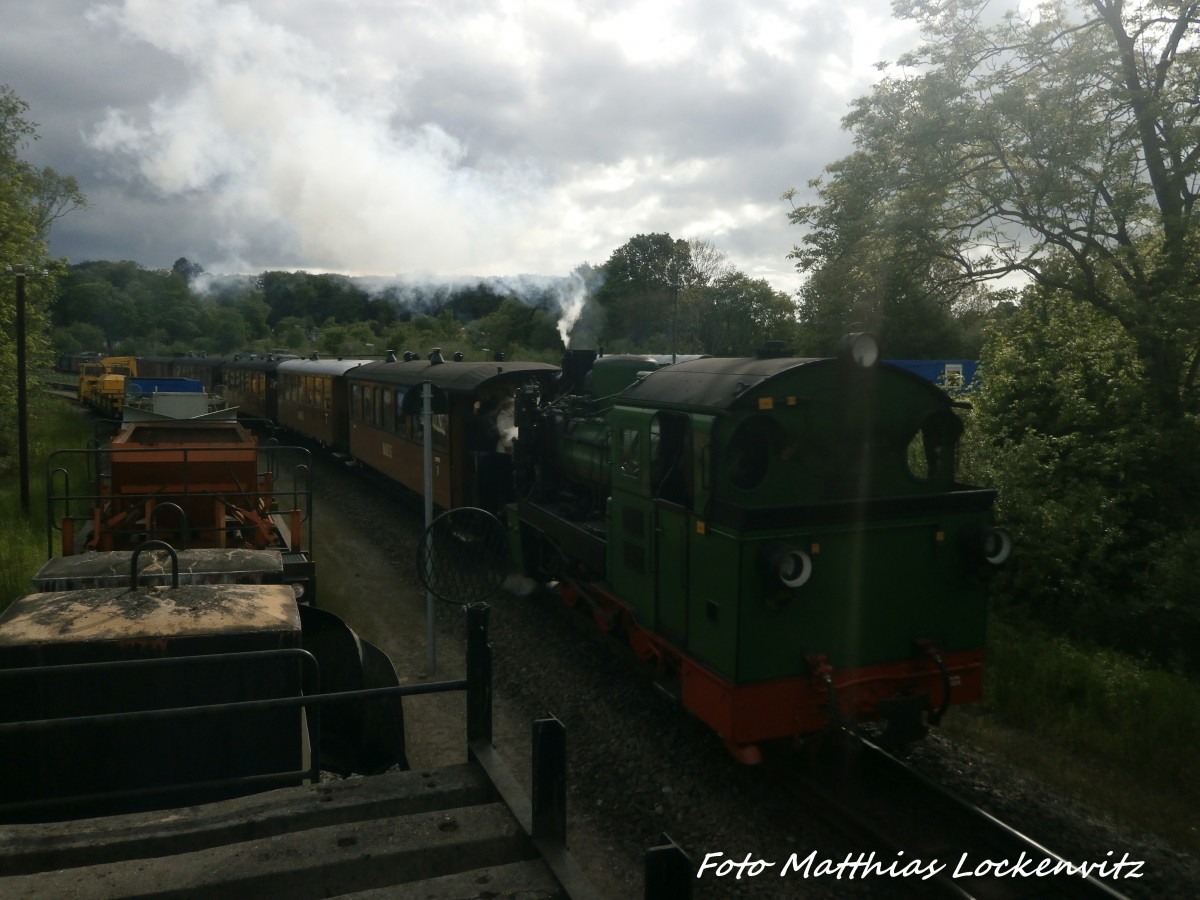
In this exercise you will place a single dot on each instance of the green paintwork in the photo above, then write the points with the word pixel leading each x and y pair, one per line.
pixel 853 467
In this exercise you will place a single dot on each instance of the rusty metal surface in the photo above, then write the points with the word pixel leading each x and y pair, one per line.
pixel 182 431
pixel 110 568
pixel 106 614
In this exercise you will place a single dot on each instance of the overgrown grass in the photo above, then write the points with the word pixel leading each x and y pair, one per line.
pixel 1115 733
pixel 53 424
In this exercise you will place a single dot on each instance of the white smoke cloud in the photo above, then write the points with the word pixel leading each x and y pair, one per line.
pixel 572 300
pixel 459 137
pixel 570 294
pixel 290 150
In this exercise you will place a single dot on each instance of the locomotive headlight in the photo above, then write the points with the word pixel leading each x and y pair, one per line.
pixel 795 568
pixel 985 545
pixel 995 544
pixel 792 567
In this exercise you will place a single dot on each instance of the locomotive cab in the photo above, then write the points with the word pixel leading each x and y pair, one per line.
pixel 784 537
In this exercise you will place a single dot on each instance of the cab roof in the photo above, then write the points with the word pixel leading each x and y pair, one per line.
pixel 722 383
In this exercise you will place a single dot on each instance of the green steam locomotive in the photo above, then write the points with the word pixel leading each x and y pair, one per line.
pixel 784 539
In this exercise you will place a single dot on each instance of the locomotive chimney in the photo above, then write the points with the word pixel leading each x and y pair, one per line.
pixel 575 366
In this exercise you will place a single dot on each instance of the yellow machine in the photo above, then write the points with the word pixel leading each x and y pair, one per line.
pixel 102 384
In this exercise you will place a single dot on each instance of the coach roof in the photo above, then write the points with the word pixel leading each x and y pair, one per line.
pixel 451 377
pixel 333 367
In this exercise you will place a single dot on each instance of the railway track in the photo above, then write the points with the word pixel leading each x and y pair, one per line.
pixel 914 829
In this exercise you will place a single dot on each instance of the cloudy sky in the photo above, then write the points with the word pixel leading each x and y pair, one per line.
pixel 437 137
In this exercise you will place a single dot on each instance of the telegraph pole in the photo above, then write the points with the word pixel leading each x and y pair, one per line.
pixel 20 272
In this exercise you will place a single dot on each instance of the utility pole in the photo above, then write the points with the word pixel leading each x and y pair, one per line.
pixel 20 272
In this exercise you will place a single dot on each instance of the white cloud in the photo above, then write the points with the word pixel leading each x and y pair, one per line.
pixel 461 136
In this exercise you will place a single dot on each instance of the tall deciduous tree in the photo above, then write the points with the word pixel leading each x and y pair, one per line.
pixel 30 200
pixel 1062 147
pixel 642 281
pixel 741 314
pixel 1075 129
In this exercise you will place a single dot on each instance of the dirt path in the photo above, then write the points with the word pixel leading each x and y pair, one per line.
pixel 365 542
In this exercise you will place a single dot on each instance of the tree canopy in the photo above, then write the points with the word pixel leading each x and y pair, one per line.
pixel 661 294
pixel 30 201
pixel 1054 155
pixel 1002 141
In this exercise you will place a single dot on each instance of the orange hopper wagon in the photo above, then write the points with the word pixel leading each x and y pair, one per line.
pixel 195 483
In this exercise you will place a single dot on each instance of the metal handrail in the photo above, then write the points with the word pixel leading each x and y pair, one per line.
pixel 477 685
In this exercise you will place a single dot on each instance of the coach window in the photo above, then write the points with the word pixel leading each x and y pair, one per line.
pixel 400 422
pixel 388 422
pixel 355 402
pixel 441 424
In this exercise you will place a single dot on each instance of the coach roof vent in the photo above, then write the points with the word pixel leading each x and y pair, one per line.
pixel 435 357
pixel 391 356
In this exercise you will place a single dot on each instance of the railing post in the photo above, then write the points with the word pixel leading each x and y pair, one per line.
pixel 550 780
pixel 669 872
pixel 479 675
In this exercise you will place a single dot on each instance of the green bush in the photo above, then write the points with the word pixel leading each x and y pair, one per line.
pixel 53 424
pixel 1099 704
pixel 1094 490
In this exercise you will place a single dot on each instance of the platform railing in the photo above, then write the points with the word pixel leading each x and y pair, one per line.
pixel 669 873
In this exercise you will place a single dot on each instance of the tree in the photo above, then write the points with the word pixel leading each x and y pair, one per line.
pixel 642 281
pixel 1061 149
pixel 79 337
pixel 30 201
pixel 187 269
pixel 1075 130
pixel 740 314
pixel 1057 428
pixel 41 196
